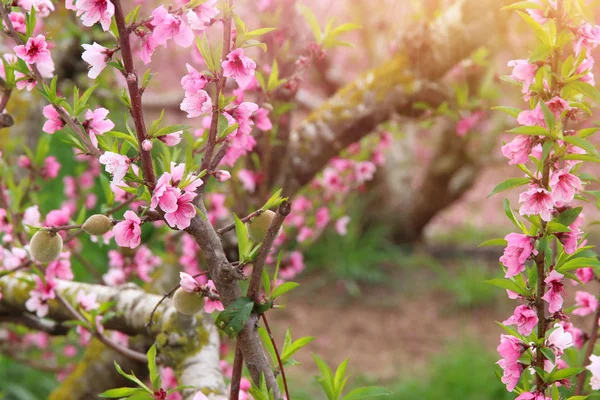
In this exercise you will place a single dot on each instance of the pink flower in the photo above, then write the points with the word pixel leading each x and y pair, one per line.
pixel 212 305
pixel 518 150
pixel 557 105
pixel 61 268
pixel 17 20
pixel 242 115
pixel 559 340
pixel 199 18
pixel 96 123
pixel 200 396
pixel 97 56
pixel 58 217
pixel 322 217
pixel 147 145
pixel 35 51
pixel 183 213
pixel 87 302
pixel 556 289
pixel 466 124
pixel 261 119
pixel 116 165
pixel 539 15
pixel 587 65
pixel 222 176
pixel 594 368
pixel 196 104
pixel 533 117
pixel 128 231
pixel 31 216
pixel 50 168
pixel 510 348
pixel 586 303
pixel 55 122
pixel 341 225
pixel 532 396
pixel 93 11
pixel 537 201
pixel 564 185
pixel 364 170
pixel 249 179
pixel 171 139
pixel 149 45
pixel 523 72
pixel 145 262
pixel 188 283
pixel 525 318
pixel 194 81
pixel 239 67
pixel 293 267
pixel 169 26
pixel 40 296
pixel 304 234
pixel 588 36
pixel 516 253
pixel 585 275
pixel 512 371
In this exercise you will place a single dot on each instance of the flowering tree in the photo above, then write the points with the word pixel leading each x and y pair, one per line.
pixel 550 248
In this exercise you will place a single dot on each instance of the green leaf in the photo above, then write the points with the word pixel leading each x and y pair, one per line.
pixel 509 213
pixel 509 184
pixel 549 354
pixel 132 378
pixel 284 288
pixel 326 378
pixel 586 89
pixel 339 380
pixel 154 375
pixel 513 111
pixel 312 21
pixel 554 226
pixel 505 284
pixel 120 393
pixel 549 117
pixel 171 129
pixel 233 318
pixel 582 157
pixel 537 28
pixel 289 351
pixel 367 393
pixel 564 373
pixel 266 281
pixel 583 133
pixel 522 5
pixel 582 143
pixel 242 236
pixel 581 262
pixel 494 242
pixel 569 216
pixel 530 130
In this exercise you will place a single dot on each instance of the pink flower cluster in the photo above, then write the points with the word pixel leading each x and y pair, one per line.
pixel 123 266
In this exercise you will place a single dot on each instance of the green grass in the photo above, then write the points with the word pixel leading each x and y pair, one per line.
pixel 18 382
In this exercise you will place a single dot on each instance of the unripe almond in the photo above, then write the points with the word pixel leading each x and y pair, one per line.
pixel 257 227
pixel 187 303
pixel 97 225
pixel 45 246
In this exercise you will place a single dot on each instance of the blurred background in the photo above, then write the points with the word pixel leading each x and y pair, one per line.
pixel 402 292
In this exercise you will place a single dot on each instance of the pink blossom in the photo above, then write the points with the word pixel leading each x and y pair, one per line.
pixel 532 396
pixel 322 217
pixel 341 225
pixel 147 145
pixel 510 348
pixel 556 289
pixel 41 7
pixel 128 231
pixel 35 51
pixel 466 124
pixel 116 165
pixel 50 168
pixel 87 302
pixel 200 396
pixel 261 119
pixel 564 185
pixel 182 216
pixel 188 283
pixel 93 11
pixel 199 18
pixel 304 234
pixel 559 340
pixel 149 45
pixel 212 305
pixel 196 104
pixel 222 176
pixel 570 239
pixel 144 262
pixel 523 72
pixel 585 275
pixel 512 371
pixel 533 117
pixel 539 15
pixel 97 56
pixel 586 303
pixel 525 318
pixel 40 340
pixel 239 67
pixel 193 82
pixel 169 26
pixel 171 139
pixel 293 267
pixel 516 253
pixel 60 268
pixel 518 150
pixel 557 105
pixel 40 296
pixel 587 65
pixel 17 20
pixel 55 122
pixel 249 179
pixel 588 37
pixel 24 161
pixel 242 115
pixel 594 368
pixel 31 216
pixel 96 123
pixel 537 201
pixel 364 170
pixel 58 217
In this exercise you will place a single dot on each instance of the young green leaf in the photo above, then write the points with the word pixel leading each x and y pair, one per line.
pixel 368 392
pixel 233 318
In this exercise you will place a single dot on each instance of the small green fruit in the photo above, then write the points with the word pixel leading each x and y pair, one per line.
pixel 97 225
pixel 257 228
pixel 187 303
pixel 45 246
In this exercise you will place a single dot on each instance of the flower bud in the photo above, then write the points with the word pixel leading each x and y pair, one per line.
pixel 222 175
pixel 257 228
pixel 187 303
pixel 147 145
pixel 97 225
pixel 45 246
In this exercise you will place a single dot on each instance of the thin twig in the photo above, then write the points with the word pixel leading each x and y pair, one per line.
pixel 126 351
pixel 135 94
pixel 247 218
pixel 236 371
pixel 281 369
